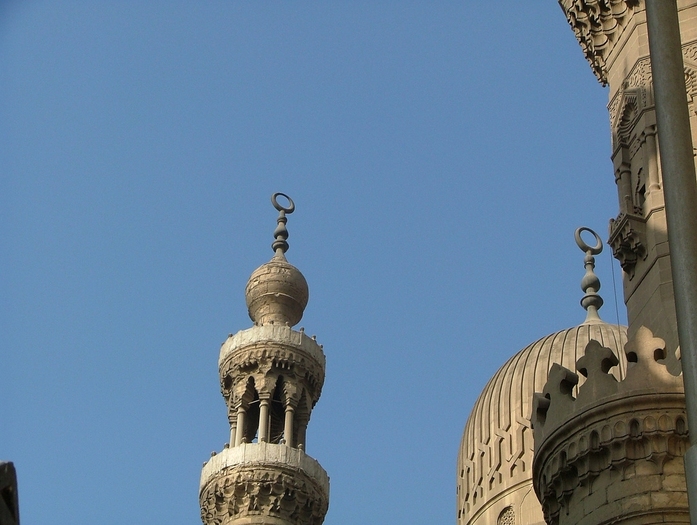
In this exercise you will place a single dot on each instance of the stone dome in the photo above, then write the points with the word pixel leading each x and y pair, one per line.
pixel 277 293
pixel 494 467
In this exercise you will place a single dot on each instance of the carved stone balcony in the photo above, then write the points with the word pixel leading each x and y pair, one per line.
pixel 263 483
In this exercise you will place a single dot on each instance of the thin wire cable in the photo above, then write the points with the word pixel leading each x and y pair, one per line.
pixel 614 289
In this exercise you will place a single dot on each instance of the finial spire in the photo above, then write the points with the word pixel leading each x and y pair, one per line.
pixel 280 244
pixel 277 292
pixel 590 284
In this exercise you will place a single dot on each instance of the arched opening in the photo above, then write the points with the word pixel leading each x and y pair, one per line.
pixel 250 401
pixel 277 413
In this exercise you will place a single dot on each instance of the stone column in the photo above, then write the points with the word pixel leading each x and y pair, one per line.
pixel 263 420
pixel 624 186
pixel 652 160
pixel 233 432
pixel 288 426
pixel 241 425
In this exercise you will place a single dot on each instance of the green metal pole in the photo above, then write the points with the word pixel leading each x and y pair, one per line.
pixel 680 192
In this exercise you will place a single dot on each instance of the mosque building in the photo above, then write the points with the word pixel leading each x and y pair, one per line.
pixel 588 425
pixel 584 426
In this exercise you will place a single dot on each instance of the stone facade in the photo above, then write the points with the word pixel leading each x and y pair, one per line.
pixel 608 448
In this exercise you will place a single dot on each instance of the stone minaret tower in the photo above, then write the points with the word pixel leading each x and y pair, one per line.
pixel 611 451
pixel 613 37
pixel 614 453
pixel 271 376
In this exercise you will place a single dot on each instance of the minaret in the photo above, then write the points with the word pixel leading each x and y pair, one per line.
pixel 614 39
pixel 271 376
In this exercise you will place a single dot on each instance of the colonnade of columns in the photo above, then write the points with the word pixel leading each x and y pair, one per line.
pixel 239 425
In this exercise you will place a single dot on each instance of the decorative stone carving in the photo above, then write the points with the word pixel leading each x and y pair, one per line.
pixel 271 376
pixel 690 60
pixel 630 101
pixel 507 517
pixel 266 353
pixel 263 483
pixel 612 432
pixel 627 241
pixel 597 25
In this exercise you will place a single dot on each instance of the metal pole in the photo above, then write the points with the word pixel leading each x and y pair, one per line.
pixel 680 192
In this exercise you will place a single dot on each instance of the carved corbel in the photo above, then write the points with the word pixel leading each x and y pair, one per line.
pixel 266 385
pixel 627 232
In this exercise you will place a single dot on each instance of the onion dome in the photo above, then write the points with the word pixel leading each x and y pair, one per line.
pixel 277 293
pixel 495 458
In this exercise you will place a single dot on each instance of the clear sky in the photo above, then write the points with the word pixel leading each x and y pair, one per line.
pixel 440 155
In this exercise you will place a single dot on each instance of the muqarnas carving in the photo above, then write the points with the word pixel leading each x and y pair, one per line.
pixel 597 25
pixel 254 491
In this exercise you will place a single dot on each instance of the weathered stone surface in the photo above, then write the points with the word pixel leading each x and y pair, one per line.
pixel 598 25
pixel 271 376
pixel 277 293
pixel 275 350
pixel 263 483
pixel 277 364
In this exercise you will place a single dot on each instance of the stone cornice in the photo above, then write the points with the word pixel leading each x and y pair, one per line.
pixel 597 25
pixel 273 334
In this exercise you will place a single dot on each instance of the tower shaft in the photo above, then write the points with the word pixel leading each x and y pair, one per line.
pixel 614 38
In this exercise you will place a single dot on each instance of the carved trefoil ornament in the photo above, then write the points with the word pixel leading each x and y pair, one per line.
pixel 634 90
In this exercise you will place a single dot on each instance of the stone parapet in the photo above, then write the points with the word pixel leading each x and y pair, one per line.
pixel 614 453
pixel 271 333
pixel 265 483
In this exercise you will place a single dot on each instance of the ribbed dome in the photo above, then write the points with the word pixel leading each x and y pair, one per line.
pixel 496 452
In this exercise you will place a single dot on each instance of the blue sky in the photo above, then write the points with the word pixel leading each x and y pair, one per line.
pixel 440 155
